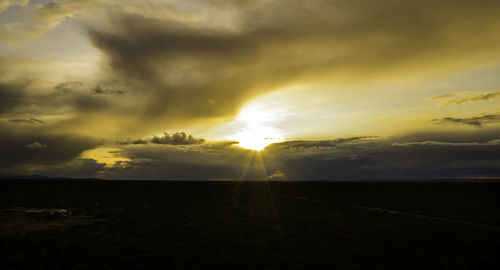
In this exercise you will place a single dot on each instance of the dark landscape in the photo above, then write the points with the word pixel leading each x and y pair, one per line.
pixel 249 134
pixel 250 225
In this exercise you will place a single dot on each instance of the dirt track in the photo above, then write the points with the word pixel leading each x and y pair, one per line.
pixel 395 212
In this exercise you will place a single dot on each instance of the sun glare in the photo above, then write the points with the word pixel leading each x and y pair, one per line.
pixel 258 132
pixel 257 138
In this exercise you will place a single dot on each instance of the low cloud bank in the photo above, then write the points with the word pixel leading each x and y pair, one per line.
pixel 416 156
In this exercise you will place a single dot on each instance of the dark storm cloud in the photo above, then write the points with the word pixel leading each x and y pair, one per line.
pixel 26 147
pixel 181 67
pixel 180 70
pixel 476 121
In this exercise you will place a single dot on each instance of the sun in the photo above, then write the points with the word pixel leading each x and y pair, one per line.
pixel 257 137
pixel 257 132
pixel 255 125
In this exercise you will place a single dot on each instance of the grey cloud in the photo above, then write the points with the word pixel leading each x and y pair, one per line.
pixel 476 121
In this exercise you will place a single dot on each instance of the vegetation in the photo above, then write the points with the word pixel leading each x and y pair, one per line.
pixel 257 225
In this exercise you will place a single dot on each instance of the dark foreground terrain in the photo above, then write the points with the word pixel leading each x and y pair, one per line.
pixel 250 225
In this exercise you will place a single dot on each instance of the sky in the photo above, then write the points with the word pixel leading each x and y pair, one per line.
pixel 250 90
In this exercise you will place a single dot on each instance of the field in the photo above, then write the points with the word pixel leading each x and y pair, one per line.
pixel 252 225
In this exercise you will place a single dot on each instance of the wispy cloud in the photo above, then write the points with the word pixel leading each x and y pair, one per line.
pixel 476 121
pixel 465 98
pixel 30 120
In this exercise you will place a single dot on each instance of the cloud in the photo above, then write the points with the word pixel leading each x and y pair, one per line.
pixel 36 145
pixel 34 98
pixel 476 121
pixel 181 162
pixel 437 143
pixel 432 156
pixel 385 158
pixel 465 98
pixel 11 95
pixel 78 168
pixel 187 71
pixel 5 4
pixel 168 70
pixel 68 86
pixel 70 107
pixel 305 145
pixel 277 175
pixel 178 138
pixel 39 19
pixel 27 147
pixel 100 90
pixel 414 156
pixel 30 120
